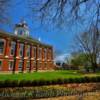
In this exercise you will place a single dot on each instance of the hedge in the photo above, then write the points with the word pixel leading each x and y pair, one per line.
pixel 28 83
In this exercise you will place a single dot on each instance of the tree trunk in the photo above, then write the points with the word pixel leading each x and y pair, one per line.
pixel 94 67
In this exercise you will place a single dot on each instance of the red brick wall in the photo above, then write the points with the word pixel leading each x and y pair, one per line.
pixel 42 64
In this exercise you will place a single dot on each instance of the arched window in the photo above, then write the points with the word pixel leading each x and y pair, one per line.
pixel 2 46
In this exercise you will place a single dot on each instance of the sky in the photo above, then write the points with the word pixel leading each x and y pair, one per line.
pixel 60 39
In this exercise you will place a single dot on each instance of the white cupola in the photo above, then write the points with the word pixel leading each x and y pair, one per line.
pixel 21 29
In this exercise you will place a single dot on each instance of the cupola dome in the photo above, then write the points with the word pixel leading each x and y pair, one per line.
pixel 21 29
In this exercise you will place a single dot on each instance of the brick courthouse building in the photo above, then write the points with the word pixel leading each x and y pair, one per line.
pixel 21 53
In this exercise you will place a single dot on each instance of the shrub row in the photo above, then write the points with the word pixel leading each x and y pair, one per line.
pixel 41 82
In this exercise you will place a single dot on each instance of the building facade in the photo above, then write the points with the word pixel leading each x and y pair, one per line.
pixel 21 53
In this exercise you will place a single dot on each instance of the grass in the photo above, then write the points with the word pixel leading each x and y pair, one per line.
pixel 45 75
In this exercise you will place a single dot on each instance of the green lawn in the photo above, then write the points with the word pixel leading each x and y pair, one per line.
pixel 44 75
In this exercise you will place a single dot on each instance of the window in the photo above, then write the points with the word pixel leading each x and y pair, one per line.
pixel 34 64
pixel 45 54
pixel 28 65
pixel 20 31
pixel 50 54
pixel 45 65
pixel 21 50
pixel 0 64
pixel 13 47
pixel 34 53
pixel 39 65
pixel 28 51
pixel 40 53
pixel 11 65
pixel 20 66
pixel 26 32
pixel 1 46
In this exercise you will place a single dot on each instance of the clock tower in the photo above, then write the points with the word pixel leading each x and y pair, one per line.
pixel 21 29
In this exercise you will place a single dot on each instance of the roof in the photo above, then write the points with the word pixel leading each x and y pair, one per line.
pixel 22 24
pixel 23 39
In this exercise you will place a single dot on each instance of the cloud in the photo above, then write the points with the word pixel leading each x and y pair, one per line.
pixel 61 57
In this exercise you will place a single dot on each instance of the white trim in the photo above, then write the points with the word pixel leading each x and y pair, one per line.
pixel 37 59
pixel 32 58
pixel 25 57
pixel 17 57
pixel 6 56
pixel 20 67
pixel 10 69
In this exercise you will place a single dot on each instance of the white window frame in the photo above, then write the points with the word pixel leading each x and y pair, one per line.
pixel 28 67
pixel 21 44
pixel 20 68
pixel 11 48
pixel 29 51
pixel 10 66
pixel 4 46
pixel 34 53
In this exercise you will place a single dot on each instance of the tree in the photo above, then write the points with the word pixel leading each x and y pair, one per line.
pixel 89 44
pixel 63 11
pixel 78 59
